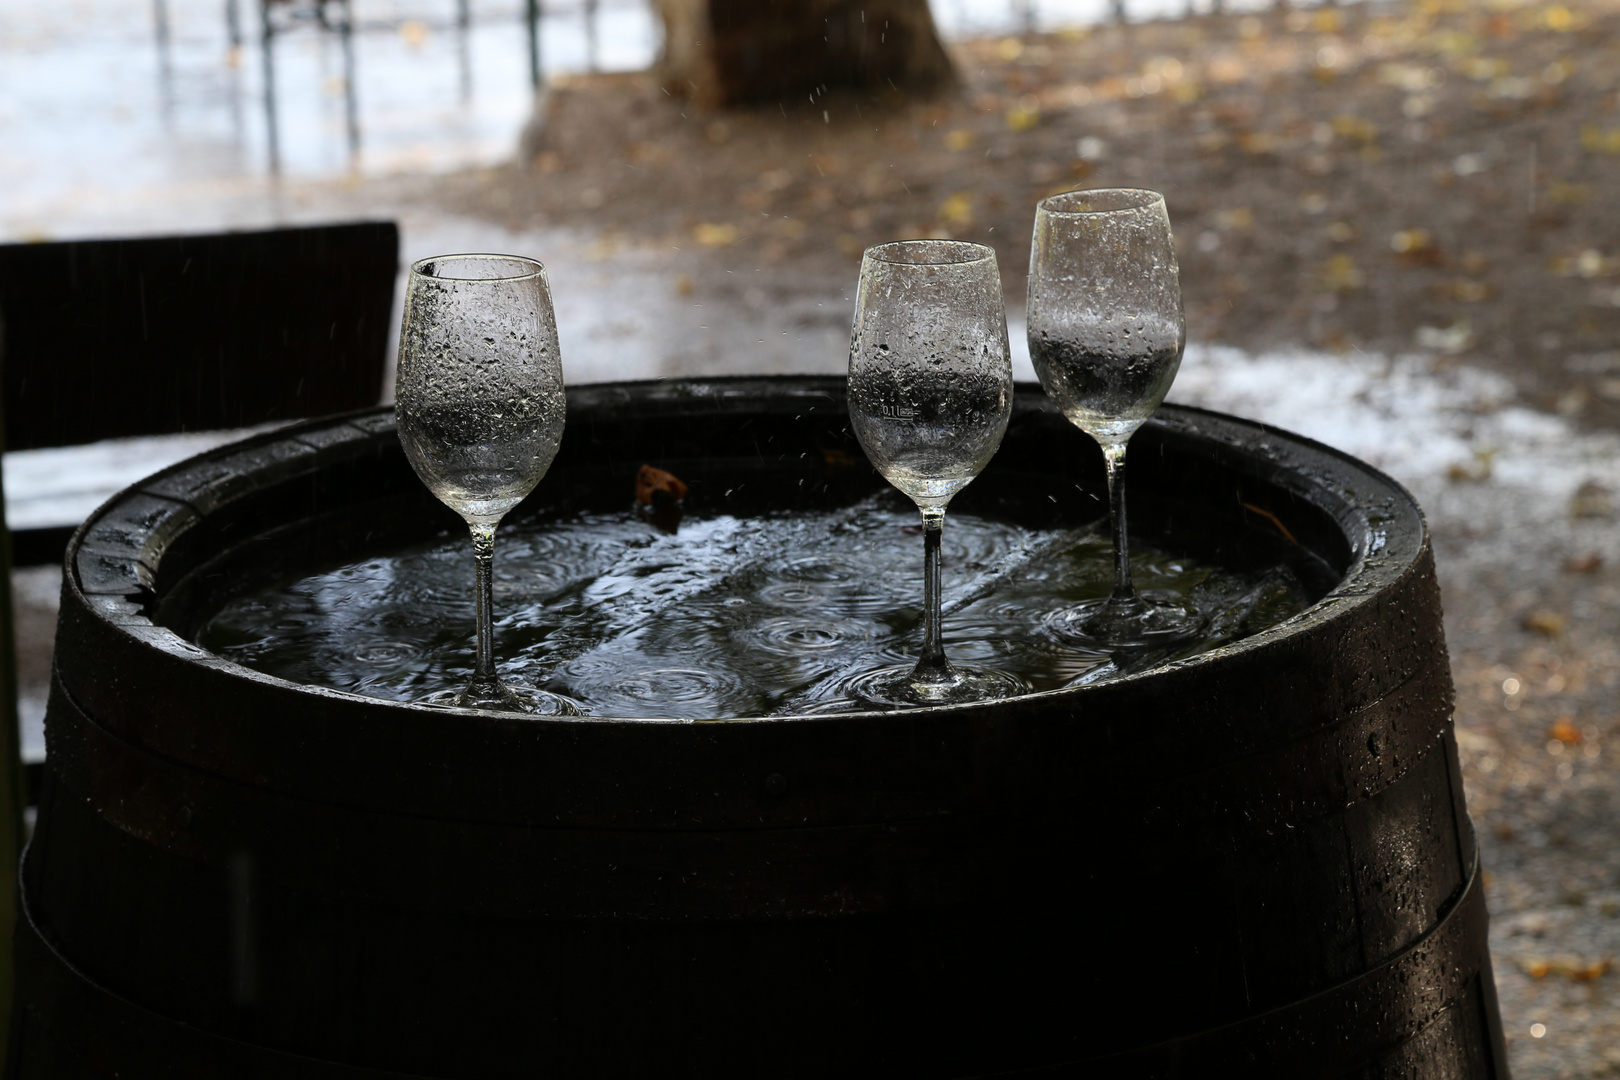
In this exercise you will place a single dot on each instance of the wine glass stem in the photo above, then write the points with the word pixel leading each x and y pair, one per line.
pixel 932 661
pixel 1114 455
pixel 483 540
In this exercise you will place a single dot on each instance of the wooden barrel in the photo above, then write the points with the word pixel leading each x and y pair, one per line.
pixel 1254 863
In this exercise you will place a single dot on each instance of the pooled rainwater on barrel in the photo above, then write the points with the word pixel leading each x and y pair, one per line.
pixel 725 617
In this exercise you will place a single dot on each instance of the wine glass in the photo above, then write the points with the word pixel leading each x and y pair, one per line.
pixel 1106 333
pixel 930 391
pixel 479 402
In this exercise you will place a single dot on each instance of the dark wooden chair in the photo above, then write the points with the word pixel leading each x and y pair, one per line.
pixel 104 339
pixel 107 338
pixel 111 338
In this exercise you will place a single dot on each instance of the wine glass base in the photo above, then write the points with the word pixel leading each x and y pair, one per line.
pixel 1146 620
pixel 898 687
pixel 506 697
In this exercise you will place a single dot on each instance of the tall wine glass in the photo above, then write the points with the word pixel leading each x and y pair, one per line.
pixel 479 401
pixel 1106 333
pixel 930 391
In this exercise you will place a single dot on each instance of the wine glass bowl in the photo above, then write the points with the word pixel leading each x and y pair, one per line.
pixel 1106 333
pixel 480 410
pixel 930 393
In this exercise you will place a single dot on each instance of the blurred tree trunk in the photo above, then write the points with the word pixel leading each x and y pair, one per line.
pixel 730 52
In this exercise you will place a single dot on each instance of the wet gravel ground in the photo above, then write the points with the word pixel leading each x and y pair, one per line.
pixel 1536 659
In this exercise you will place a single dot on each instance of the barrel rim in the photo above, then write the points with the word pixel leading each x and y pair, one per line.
pixel 1362 581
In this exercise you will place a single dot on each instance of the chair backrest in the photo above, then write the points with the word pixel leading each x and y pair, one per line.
pixel 111 338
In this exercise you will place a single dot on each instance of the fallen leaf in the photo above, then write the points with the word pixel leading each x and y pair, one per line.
pixel 1340 274
pixel 1573 967
pixel 1592 970
pixel 1474 472
pixel 957 211
pixel 1566 194
pixel 1415 247
pixel 1354 129
pixel 1549 623
pixel 1589 563
pixel 1558 18
pixel 1025 114
pixel 1592 500
pixel 655 486
pixel 1598 140
pixel 1564 731
pixel 1586 263
pixel 715 236
pixel 1258 142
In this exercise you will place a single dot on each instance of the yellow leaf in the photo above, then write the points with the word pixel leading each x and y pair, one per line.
pixel 1354 129
pixel 1258 142
pixel 1024 115
pixel 716 236
pixel 1340 274
pixel 959 139
pixel 1410 240
pixel 1567 194
pixel 957 211
pixel 1597 140
pixel 1589 263
pixel 1549 623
